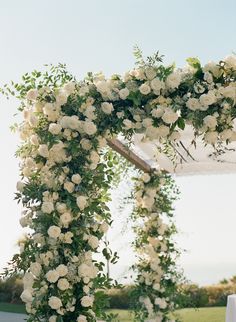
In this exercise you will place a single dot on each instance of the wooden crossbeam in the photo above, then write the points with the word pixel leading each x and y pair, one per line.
pixel 123 150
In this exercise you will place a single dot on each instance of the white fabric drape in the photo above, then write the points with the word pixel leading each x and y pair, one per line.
pixel 231 308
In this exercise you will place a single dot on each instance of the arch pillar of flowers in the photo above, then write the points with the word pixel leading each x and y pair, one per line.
pixel 67 171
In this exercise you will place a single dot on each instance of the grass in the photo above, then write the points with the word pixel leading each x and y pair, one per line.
pixel 12 308
pixel 216 314
pixel 124 315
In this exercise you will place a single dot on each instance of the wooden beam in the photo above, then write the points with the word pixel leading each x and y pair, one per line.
pixel 129 155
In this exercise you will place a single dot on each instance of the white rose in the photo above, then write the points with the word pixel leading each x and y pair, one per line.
pixel 81 202
pixel 33 120
pixel 107 108
pixel 68 237
pixel 124 93
pixel 208 77
pixel 207 99
pixel 90 128
pixel 84 270
pixel 47 207
pixel 175 135
pixel 38 238
pixel 74 122
pixel 54 302
pixel 228 91
pixel 54 232
pixel 20 186
pixel 230 62
pixel 43 150
pixel 61 97
pixel 163 130
pixel 147 122
pixel 62 270
pixel 157 112
pixel 152 132
pixel 38 107
pixel 210 121
pixel 226 134
pixel 48 108
pixel 83 90
pixel 156 286
pixel 86 144
pixel 173 80
pixel 53 318
pixel 87 301
pixel 157 84
pixel 213 68
pixel 102 86
pixel 102 142
pixel 193 104
pixel 94 157
pixel 86 289
pixel 93 242
pixel 76 178
pixel 35 269
pixel 150 73
pixel 128 124
pixel 61 207
pixel 52 276
pixel 81 318
pixel 211 137
pixel 144 89
pixel 54 128
pixel 69 87
pixel 169 116
pixel 32 94
pixel 161 303
pixel 120 114
pixel 70 122
pixel 90 112
pixel 28 280
pixel 34 139
pixel 86 280
pixel 69 186
pixel 26 296
pixel 145 177
pixel 65 219
pixel 63 284
pixel 233 136
pixel 104 227
pixel 87 272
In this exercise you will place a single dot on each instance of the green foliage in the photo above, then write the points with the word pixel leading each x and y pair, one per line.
pixel 194 62
pixel 53 77
pixel 153 60
pixel 11 289
pixel 120 298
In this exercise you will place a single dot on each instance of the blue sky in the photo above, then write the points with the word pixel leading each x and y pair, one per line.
pixel 96 35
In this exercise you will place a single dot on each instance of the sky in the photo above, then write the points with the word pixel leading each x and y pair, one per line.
pixel 95 35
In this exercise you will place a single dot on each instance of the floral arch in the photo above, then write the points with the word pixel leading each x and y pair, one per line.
pixel 67 170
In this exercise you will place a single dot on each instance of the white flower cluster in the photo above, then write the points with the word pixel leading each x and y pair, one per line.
pixel 64 186
pixel 64 223
pixel 154 253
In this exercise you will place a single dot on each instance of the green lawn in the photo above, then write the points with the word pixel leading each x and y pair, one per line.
pixel 216 314
pixel 14 308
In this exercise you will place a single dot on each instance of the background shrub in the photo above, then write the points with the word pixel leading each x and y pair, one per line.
pixel 189 295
